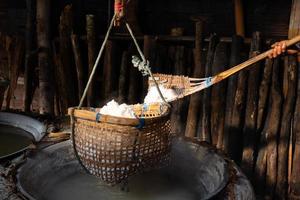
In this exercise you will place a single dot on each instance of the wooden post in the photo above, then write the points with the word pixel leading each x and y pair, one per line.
pixel 266 164
pixel 91 43
pixel 264 89
pixel 135 79
pixel 45 69
pixel 217 103
pixel 239 18
pixel 232 139
pixel 250 126
pixel 199 71
pixel 294 144
pixel 78 63
pixel 110 74
pixel 295 179
pixel 16 51
pixel 284 138
pixel 204 131
pixel 149 51
pixel 29 66
pixel 123 79
pixel 66 71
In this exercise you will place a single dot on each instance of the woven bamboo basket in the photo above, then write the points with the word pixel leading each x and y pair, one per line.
pixel 113 148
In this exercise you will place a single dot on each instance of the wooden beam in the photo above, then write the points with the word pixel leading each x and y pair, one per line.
pixel 45 68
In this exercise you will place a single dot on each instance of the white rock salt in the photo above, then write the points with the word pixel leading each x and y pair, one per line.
pixel 114 109
pixel 153 95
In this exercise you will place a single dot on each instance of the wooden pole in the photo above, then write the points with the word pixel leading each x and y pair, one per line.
pixel 78 63
pixel 284 138
pixel 205 129
pixel 110 72
pixel 294 143
pixel 239 18
pixel 16 51
pixel 295 178
pixel 199 71
pixel 45 69
pixel 66 71
pixel 250 126
pixel 232 138
pixel 123 79
pixel 217 103
pixel 29 66
pixel 264 89
pixel 266 164
pixel 91 43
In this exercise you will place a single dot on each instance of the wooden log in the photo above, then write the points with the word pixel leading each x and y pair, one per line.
pixel 284 138
pixel 217 103
pixel 238 113
pixel 294 29
pixel 199 71
pixel 250 126
pixel 29 66
pixel 231 140
pixel 123 78
pixel 135 79
pixel 204 132
pixel 239 18
pixel 45 69
pixel 295 179
pixel 78 62
pixel 16 53
pixel 91 43
pixel 266 164
pixel 264 89
pixel 66 71
pixel 177 107
pixel 110 72
pixel 149 51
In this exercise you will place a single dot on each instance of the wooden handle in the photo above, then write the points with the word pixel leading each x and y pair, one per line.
pixel 221 76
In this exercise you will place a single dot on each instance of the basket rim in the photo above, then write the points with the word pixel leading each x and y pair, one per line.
pixel 85 113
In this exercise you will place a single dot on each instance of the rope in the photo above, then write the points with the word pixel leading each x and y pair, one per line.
pixel 97 61
pixel 145 61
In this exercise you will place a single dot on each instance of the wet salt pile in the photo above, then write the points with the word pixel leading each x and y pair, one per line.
pixel 123 110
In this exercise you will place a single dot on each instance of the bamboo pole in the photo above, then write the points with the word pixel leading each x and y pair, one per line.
pixel 45 69
pixel 199 71
pixel 239 18
pixel 250 125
